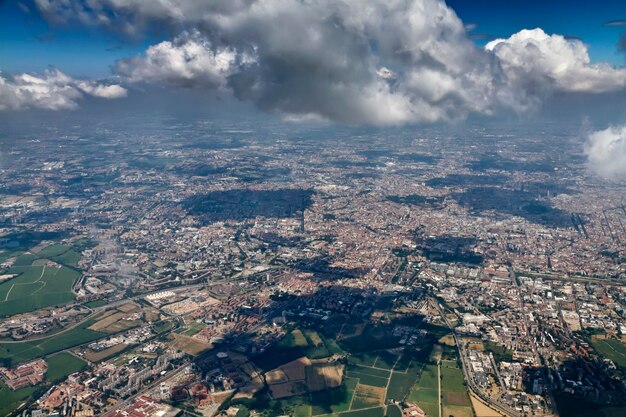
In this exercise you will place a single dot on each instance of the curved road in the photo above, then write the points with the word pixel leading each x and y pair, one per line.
pixel 94 312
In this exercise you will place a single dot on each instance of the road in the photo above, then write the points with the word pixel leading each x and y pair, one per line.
pixel 95 311
pixel 439 386
pixel 507 411
pixel 128 401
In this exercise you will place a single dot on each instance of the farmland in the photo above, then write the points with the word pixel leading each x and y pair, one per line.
pixel 372 378
pixel 454 393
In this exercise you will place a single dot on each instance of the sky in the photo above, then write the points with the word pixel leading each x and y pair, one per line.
pixel 30 43
pixel 355 62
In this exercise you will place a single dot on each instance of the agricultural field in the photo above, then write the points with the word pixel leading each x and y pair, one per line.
pixel 370 380
pixel 296 344
pixel 424 392
pixel 62 254
pixel 456 400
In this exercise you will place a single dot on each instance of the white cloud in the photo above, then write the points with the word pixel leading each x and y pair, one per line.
pixel 189 60
pixel 532 58
pixel 111 91
pixel 606 152
pixel 358 61
pixel 52 90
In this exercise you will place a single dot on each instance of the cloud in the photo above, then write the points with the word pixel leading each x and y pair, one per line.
pixel 616 23
pixel 111 91
pixel 356 61
pixel 52 90
pixel 606 152
pixel 535 61
pixel 188 61
pixel 353 61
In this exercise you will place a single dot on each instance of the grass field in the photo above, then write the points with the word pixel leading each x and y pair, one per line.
pixel 366 378
pixel 456 400
pixel 188 344
pixel 10 400
pixel 373 376
pixel 370 412
pixel 63 364
pixel 366 396
pixel 59 367
pixel 62 254
pixel 36 287
pixel 19 352
pixel 334 400
pixel 296 344
pixel 425 391
pixel 402 379
pixel 500 353
pixel 393 411
pixel 193 328
pixel 611 349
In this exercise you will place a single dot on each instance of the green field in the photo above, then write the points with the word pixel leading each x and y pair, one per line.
pixel 374 375
pixel 393 411
pixel 365 377
pixel 386 360
pixel 296 344
pixel 365 359
pixel 402 379
pixel 96 303
pixel 19 352
pixel 10 400
pixel 334 400
pixel 425 391
pixel 370 412
pixel 36 287
pixel 63 364
pixel 456 401
pixel 500 353
pixel 59 367
pixel 611 349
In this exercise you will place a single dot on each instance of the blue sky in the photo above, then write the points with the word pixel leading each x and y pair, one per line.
pixel 584 19
pixel 30 44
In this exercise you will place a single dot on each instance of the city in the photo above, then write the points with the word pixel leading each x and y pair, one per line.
pixel 200 286
pixel 312 208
